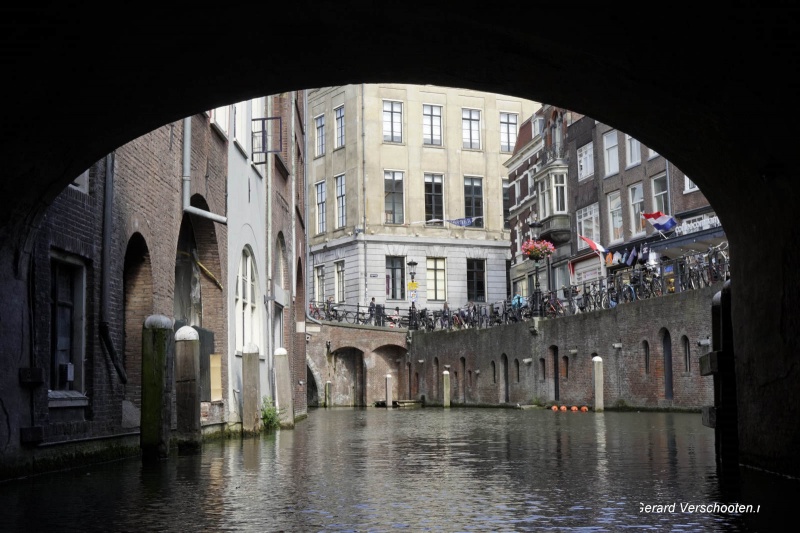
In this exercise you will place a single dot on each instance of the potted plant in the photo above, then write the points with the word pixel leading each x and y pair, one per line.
pixel 538 249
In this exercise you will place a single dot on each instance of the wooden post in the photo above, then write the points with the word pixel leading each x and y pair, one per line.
pixel 446 388
pixel 597 361
pixel 187 387
pixel 251 388
pixel 157 375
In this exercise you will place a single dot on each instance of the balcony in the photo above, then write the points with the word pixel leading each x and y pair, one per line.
pixel 556 229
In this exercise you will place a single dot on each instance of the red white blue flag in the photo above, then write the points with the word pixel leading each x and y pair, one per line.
pixel 660 221
pixel 593 245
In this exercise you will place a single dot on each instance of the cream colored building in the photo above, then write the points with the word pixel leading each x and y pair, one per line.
pixel 406 173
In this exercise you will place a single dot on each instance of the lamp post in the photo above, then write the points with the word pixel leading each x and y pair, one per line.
pixel 412 294
pixel 536 226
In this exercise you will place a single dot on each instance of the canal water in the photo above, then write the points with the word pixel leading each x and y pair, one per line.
pixel 429 469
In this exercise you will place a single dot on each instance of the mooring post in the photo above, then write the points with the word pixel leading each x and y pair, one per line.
pixel 327 394
pixel 157 375
pixel 446 388
pixel 284 388
pixel 187 387
pixel 251 389
pixel 388 391
pixel 597 361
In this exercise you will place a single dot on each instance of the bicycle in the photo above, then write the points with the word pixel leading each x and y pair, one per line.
pixel 552 305
pixel 314 311
pixel 717 263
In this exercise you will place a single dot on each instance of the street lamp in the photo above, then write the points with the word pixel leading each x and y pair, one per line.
pixel 536 226
pixel 412 269
pixel 412 312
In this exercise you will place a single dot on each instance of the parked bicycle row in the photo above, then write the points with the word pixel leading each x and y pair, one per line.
pixel 640 281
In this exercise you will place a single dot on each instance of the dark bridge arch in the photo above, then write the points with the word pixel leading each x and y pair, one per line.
pixel 82 87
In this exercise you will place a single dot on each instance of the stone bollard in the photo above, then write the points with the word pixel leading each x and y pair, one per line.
pixel 388 391
pixel 284 388
pixel 251 389
pixel 187 387
pixel 598 383
pixel 446 388
pixel 157 374
pixel 327 394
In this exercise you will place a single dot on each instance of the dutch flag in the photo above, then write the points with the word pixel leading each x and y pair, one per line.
pixel 593 245
pixel 660 221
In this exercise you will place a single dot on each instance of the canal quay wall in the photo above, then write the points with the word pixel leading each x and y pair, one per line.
pixel 650 350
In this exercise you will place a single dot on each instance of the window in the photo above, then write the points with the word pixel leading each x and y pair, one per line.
pixel 633 151
pixel 319 287
pixel 436 280
pixel 434 200
pixel 395 278
pixel 338 281
pixel 219 118
pixel 432 125
pixel 653 153
pixel 508 131
pixel 473 200
pixel 320 127
pixel 611 152
pixel 615 216
pixel 560 193
pixel 636 193
pixel 339 114
pixel 506 204
pixel 247 321
pixel 661 195
pixel 689 185
pixel 585 161
pixel 68 296
pixel 341 202
pixel 320 207
pixel 392 121
pixel 687 355
pixel 588 224
pixel 81 183
pixel 521 287
pixel 552 195
pixel 646 353
pixel 393 196
pixel 471 128
pixel 240 124
pixel 476 280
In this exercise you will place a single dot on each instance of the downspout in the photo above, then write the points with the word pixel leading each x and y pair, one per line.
pixel 364 198
pixel 105 334
pixel 270 338
pixel 309 267
pixel 187 177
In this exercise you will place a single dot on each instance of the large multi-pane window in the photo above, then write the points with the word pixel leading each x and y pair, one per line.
pixel 552 195
pixel 432 125
pixel 67 300
pixel 473 200
pixel 320 207
pixel 392 121
pixel 661 194
pixel 393 196
pixel 319 123
pixel 341 202
pixel 339 114
pixel 247 319
pixel 319 285
pixel 636 194
pixel 436 279
pixel 508 131
pixel 588 224
pixel 476 280
pixel 434 200
pixel 585 161
pixel 615 216
pixel 395 278
pixel 611 149
pixel 633 151
pixel 338 281
pixel 471 128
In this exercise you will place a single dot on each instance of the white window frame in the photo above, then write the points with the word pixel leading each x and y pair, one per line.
pixel 319 284
pixel 319 132
pixel 661 199
pixel 636 209
pixel 248 322
pixel 615 231
pixel 508 136
pixel 396 176
pixel 653 153
pixel 338 113
pixel 241 126
pixel 220 118
pixel 633 151
pixel 338 281
pixel 341 201
pixel 321 194
pixel 689 185
pixel 431 125
pixel 436 279
pixel 81 183
pixel 587 222
pixel 611 152
pixel 585 161
pixel 471 128
pixel 257 111
pixel 434 178
pixel 392 121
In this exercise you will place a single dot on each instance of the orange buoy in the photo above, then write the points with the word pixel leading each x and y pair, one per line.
pixel 584 409
pixel 554 408
pixel 563 407
pixel 573 408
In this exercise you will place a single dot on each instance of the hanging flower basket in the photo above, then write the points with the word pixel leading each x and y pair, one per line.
pixel 538 250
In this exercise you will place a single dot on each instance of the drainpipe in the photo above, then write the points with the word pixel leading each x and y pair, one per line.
pixel 364 197
pixel 309 271
pixel 270 337
pixel 105 335
pixel 187 177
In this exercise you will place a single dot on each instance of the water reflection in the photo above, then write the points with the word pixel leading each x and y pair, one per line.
pixel 418 469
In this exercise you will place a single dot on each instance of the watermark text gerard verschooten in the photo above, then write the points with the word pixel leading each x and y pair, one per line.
pixel 683 507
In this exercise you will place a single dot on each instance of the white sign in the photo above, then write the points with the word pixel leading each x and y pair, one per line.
pixel 412 296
